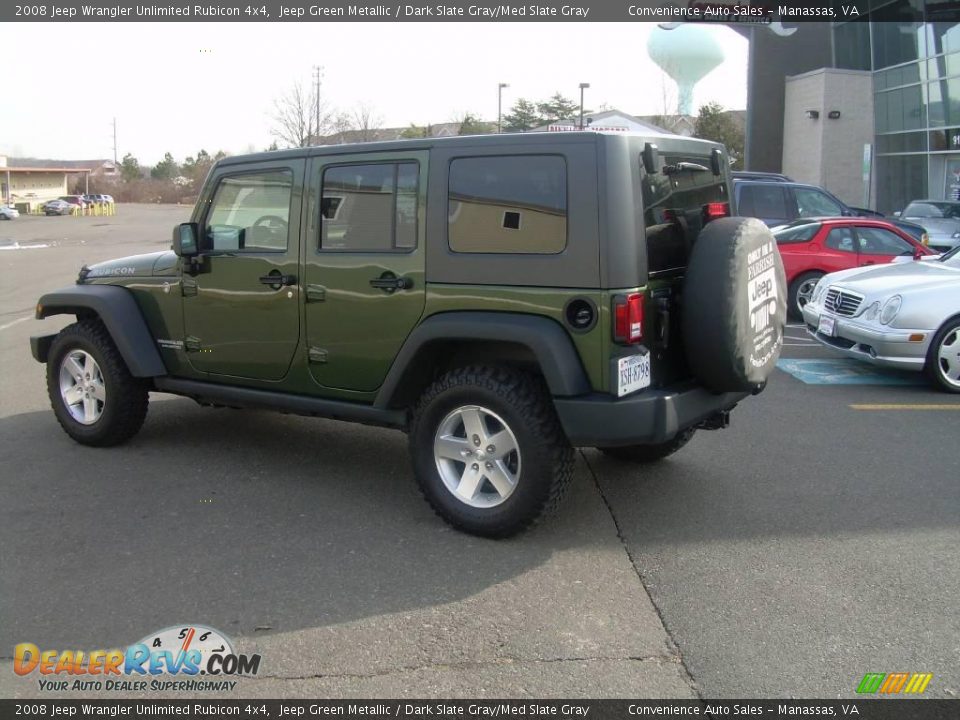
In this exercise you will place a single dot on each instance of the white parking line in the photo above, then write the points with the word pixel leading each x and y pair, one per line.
pixel 16 322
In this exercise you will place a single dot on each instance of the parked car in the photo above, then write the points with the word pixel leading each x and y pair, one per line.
pixel 778 202
pixel 941 218
pixel 75 200
pixel 58 207
pixel 814 247
pixel 903 315
pixel 8 213
pixel 486 294
pixel 95 199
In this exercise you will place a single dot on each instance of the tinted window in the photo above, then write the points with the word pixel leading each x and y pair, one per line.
pixel 251 212
pixel 673 210
pixel 763 201
pixel 878 241
pixel 841 238
pixel 369 208
pixel 797 233
pixel 815 203
pixel 508 204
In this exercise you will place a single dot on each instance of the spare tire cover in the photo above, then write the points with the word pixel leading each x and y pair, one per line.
pixel 734 305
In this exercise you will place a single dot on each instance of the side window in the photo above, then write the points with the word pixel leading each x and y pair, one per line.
pixel 814 203
pixel 763 200
pixel 508 204
pixel 369 208
pixel 841 239
pixel 250 212
pixel 878 241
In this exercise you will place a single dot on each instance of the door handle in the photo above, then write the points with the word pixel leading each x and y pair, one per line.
pixel 278 280
pixel 390 283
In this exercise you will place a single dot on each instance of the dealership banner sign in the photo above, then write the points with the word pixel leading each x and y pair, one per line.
pixel 778 16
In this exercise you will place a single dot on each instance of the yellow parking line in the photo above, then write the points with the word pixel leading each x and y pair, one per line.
pixel 938 406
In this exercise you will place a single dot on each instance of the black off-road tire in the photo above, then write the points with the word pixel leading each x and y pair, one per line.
pixel 794 310
pixel 546 458
pixel 126 397
pixel 949 332
pixel 649 453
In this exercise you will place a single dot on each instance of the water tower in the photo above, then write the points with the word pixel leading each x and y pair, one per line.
pixel 686 53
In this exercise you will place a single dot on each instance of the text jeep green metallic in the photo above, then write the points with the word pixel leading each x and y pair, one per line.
pixel 500 298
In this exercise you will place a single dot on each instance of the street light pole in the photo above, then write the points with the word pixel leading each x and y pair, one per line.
pixel 583 86
pixel 500 88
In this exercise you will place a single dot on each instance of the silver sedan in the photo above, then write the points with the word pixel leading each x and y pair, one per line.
pixel 904 315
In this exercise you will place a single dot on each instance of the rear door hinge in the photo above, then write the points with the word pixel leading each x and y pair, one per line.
pixel 316 293
pixel 317 355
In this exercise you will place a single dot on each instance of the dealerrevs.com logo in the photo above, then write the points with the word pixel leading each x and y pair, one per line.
pixel 183 652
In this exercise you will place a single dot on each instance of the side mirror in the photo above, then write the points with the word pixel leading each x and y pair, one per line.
pixel 185 240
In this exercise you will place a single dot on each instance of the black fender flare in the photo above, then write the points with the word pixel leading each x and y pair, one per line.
pixel 119 312
pixel 544 337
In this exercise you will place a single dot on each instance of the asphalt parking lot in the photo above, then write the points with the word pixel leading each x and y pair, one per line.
pixel 813 541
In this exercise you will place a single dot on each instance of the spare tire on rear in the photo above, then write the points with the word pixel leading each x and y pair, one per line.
pixel 734 305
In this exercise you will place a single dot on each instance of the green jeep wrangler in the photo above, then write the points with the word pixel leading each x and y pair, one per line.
pixel 502 299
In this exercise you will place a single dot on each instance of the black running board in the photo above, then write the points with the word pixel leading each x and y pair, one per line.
pixel 233 396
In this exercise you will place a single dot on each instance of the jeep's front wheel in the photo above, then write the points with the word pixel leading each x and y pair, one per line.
pixel 488 451
pixel 94 397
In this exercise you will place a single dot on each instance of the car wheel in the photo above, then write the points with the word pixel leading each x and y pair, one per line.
pixel 488 451
pixel 943 357
pixel 95 399
pixel 649 453
pixel 801 290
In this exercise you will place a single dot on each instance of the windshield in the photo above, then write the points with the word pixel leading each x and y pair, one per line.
pixel 796 233
pixel 933 210
pixel 951 258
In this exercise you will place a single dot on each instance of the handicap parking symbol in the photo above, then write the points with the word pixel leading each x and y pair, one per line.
pixel 846 371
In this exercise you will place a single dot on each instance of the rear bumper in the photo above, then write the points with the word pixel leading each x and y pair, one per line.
pixel 650 417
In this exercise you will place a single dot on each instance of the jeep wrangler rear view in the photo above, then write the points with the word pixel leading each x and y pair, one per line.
pixel 502 299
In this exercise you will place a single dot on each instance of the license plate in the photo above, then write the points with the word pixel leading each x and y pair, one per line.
pixel 828 325
pixel 633 373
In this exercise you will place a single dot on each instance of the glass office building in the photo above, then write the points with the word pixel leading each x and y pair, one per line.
pixel 913 50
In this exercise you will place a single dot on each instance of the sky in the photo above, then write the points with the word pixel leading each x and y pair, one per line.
pixel 180 87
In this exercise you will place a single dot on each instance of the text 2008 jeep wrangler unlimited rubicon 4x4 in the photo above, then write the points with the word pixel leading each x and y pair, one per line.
pixel 501 298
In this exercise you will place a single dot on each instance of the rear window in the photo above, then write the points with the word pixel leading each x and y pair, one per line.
pixel 673 208
pixel 796 233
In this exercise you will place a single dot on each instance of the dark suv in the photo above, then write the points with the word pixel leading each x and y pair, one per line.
pixel 502 299
pixel 778 202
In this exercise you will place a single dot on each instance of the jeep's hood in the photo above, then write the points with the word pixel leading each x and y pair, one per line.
pixel 156 263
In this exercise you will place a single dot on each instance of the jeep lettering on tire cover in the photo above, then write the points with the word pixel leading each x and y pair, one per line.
pixel 735 305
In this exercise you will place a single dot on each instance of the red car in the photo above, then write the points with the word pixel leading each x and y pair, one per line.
pixel 813 247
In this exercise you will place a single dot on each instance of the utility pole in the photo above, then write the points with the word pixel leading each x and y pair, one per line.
pixel 500 106
pixel 583 86
pixel 316 102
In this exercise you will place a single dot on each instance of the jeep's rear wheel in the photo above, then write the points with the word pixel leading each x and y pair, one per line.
pixel 649 453
pixel 488 451
pixel 94 397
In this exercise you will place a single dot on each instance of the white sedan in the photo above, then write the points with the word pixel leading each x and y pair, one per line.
pixel 903 315
pixel 8 213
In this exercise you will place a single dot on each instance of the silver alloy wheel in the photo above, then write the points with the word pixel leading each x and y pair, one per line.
pixel 81 387
pixel 805 292
pixel 477 456
pixel 948 357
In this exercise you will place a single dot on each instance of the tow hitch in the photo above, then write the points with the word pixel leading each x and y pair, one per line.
pixel 717 421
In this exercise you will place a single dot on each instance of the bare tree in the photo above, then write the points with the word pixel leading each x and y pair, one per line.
pixel 340 124
pixel 366 122
pixel 300 116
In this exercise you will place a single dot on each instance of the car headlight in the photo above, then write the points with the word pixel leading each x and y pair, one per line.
pixel 890 309
pixel 871 312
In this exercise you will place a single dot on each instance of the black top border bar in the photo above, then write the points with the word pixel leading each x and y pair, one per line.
pixel 740 12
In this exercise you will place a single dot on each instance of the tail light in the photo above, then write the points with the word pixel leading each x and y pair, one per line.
pixel 714 210
pixel 628 318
